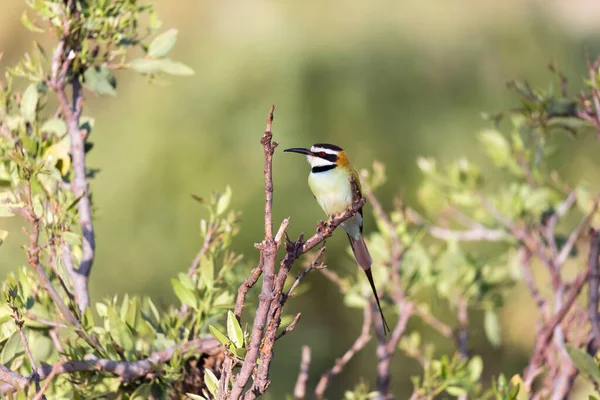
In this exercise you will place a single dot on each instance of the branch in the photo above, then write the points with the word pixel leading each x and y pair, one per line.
pixel 594 284
pixel 463 331
pixel 358 344
pixel 208 241
pixel 80 189
pixel 19 322
pixel 385 350
pixel 477 232
pixel 128 371
pixel 300 388
pixel 268 254
pixel 546 334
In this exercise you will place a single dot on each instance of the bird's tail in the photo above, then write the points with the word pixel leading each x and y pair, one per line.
pixel 364 260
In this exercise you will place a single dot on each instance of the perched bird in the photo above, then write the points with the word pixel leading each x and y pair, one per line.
pixel 330 182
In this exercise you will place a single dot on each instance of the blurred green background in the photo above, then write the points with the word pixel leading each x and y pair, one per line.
pixel 386 80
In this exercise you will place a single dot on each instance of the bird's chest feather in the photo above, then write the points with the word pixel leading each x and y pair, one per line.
pixel 331 189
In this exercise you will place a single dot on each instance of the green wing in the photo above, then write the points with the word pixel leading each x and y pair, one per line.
pixel 356 179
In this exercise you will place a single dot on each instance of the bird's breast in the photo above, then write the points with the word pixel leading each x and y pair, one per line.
pixel 332 190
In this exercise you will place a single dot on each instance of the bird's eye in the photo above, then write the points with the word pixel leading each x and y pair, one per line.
pixel 322 154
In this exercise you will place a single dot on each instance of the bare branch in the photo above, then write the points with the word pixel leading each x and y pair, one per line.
pixel 290 327
pixel 358 344
pixel 594 284
pixel 432 321
pixel 268 254
pixel 128 371
pixel 385 350
pixel 313 265
pixel 300 388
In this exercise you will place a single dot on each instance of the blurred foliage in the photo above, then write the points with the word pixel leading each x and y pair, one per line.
pixel 388 82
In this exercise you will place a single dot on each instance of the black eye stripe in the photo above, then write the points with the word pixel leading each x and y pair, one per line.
pixel 326 156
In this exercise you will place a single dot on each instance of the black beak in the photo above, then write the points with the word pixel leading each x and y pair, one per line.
pixel 298 150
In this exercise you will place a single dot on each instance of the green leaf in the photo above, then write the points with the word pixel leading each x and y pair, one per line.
pixel 207 271
pixel 496 146
pixel 224 201
pixel 234 330
pixel 455 391
pixel 584 363
pixel 491 325
pixel 146 66
pixel 211 382
pixel 27 23
pixel 475 368
pixel 56 126
pixel 119 330
pixel 29 103
pixel 101 80
pixel 184 294
pixel 175 68
pixel 195 396
pixel 219 336
pixel 12 348
pixel 142 392
pixel 162 44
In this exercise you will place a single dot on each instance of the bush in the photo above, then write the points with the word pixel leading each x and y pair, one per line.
pixel 55 343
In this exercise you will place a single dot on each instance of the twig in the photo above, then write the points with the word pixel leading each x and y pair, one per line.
pixel 463 330
pixel 529 281
pixel 300 387
pixel 594 284
pixel 48 380
pixel 477 232
pixel 34 370
pixel 432 321
pixel 313 265
pixel 385 350
pixel 289 328
pixel 358 344
pixel 547 332
pixel 574 236
pixel 205 246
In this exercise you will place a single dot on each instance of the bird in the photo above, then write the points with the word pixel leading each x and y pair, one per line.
pixel 330 181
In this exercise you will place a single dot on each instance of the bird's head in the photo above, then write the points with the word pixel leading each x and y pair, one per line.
pixel 322 156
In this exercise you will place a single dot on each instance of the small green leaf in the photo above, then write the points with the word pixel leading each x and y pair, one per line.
pixel 195 396
pixel 101 80
pixel 12 348
pixel 234 330
pixel 29 103
pixel 584 363
pixel 492 327
pixel 162 44
pixel 496 146
pixel 219 336
pixel 184 294
pixel 175 68
pixel 211 381
pixel 27 23
pixel 224 201
pixel 207 271
pixel 455 391
pixel 56 126
pixel 475 368
pixel 142 392
pixel 119 330
pixel 146 66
